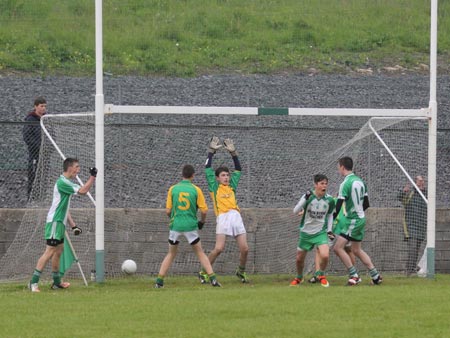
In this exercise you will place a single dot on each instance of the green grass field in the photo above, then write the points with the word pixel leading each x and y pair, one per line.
pixel 268 307
pixel 193 37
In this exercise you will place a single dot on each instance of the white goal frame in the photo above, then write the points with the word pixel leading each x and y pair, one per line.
pixel 429 113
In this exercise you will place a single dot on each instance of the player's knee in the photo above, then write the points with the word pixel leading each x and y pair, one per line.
pixel 244 249
pixel 325 256
pixel 356 251
pixel 219 249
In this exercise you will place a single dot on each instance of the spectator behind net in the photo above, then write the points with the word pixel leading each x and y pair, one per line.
pixel 32 136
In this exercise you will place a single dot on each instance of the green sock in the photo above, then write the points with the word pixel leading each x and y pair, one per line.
pixel 300 276
pixel 212 276
pixel 35 277
pixel 374 273
pixel 56 277
pixel 241 268
pixel 319 273
pixel 352 271
pixel 160 280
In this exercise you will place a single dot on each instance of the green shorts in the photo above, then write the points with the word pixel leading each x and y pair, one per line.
pixel 337 227
pixel 307 242
pixel 55 230
pixel 352 229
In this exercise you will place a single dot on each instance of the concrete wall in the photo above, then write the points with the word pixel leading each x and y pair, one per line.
pixel 272 237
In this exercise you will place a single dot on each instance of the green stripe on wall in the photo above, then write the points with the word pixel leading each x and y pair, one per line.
pixel 273 111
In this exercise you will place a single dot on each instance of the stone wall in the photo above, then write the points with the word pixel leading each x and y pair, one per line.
pixel 272 237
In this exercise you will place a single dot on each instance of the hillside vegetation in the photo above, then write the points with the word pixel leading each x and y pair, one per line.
pixel 193 37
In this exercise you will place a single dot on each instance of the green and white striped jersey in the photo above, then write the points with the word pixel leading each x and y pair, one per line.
pixel 62 192
pixel 353 190
pixel 317 214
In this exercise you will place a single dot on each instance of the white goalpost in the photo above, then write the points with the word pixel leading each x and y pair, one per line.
pixel 99 146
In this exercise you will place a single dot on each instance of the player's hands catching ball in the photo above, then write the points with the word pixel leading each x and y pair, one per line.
pixel 214 145
pixel 229 145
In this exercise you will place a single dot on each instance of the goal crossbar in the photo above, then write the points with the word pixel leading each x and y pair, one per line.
pixel 368 112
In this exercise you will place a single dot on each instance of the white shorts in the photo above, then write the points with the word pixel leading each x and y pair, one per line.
pixel 230 224
pixel 191 236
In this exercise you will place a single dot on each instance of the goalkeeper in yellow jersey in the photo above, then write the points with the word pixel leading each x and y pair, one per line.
pixel 222 186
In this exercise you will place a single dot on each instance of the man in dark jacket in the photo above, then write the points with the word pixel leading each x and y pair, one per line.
pixel 32 136
pixel 415 222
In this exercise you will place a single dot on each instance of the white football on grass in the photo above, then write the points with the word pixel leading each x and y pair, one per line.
pixel 129 267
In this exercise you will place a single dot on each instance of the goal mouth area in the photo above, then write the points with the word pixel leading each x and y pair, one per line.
pixel 280 154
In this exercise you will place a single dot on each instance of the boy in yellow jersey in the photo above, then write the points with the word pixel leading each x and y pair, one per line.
pixel 222 187
pixel 183 200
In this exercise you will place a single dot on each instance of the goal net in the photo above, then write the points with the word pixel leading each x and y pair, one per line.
pixel 144 154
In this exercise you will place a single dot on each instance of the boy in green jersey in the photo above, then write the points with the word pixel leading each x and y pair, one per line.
pixel 183 201
pixel 316 208
pixel 331 241
pixel 57 219
pixel 353 191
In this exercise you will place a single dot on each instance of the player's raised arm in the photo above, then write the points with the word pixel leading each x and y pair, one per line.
pixel 301 204
pixel 89 183
pixel 213 146
pixel 229 145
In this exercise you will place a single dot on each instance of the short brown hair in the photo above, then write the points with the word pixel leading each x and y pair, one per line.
pixel 320 177
pixel 39 100
pixel 222 169
pixel 188 171
pixel 68 162
pixel 346 162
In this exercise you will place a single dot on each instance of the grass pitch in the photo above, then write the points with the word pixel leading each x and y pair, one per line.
pixel 267 307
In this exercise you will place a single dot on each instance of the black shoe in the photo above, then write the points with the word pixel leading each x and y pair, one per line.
pixel 377 281
pixel 215 283
pixel 62 285
pixel 313 280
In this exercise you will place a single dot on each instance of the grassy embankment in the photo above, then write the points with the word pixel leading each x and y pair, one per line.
pixel 192 37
